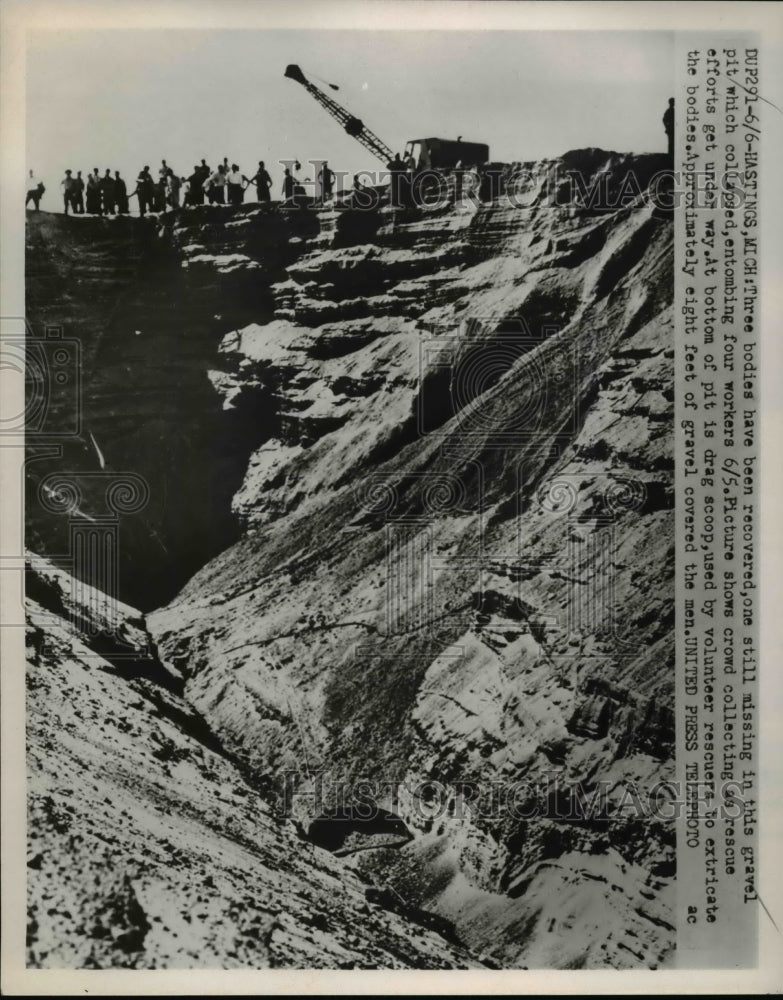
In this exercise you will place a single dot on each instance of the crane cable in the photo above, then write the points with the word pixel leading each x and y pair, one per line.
pixel 332 85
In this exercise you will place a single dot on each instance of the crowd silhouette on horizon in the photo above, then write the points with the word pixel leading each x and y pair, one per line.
pixel 108 194
pixel 226 185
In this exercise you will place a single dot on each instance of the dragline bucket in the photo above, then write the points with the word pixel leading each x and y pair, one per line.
pixel 294 73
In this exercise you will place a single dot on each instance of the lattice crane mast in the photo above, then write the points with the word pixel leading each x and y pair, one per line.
pixel 353 126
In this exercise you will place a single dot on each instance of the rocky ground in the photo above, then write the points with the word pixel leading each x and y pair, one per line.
pixel 436 448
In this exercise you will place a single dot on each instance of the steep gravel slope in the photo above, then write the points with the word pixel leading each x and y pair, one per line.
pixel 149 847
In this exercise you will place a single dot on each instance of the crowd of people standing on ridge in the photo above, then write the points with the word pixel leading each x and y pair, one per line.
pixel 225 185
pixel 108 194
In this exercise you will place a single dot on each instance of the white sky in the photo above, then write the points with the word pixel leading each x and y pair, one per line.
pixel 122 99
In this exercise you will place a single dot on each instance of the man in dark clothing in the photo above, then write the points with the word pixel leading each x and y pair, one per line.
pixel 160 193
pixel 205 172
pixel 145 191
pixel 196 187
pixel 78 194
pixel 326 180
pixel 120 194
pixel 668 124
pixel 94 193
pixel 397 170
pixel 288 186
pixel 107 193
pixel 263 182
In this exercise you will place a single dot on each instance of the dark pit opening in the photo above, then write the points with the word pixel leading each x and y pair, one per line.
pixel 141 335
pixel 356 828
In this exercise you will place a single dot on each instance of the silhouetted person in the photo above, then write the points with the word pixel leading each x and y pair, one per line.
pixel 107 193
pixel 289 186
pixel 94 193
pixel 160 194
pixel 326 180
pixel 668 124
pixel 120 194
pixel 163 171
pixel 35 190
pixel 145 191
pixel 78 194
pixel 263 182
pixel 205 171
pixel 195 187
pixel 397 170
pixel 362 198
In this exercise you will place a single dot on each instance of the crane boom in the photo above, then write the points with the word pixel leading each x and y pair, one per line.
pixel 353 126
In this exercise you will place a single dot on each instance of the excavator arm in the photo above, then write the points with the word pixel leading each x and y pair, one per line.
pixel 353 126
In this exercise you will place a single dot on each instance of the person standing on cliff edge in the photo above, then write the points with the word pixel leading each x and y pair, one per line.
pixel 77 197
pixel 67 184
pixel 235 180
pixel 94 193
pixel 263 182
pixel 172 189
pixel 107 193
pixel 215 185
pixel 668 124
pixel 289 187
pixel 145 191
pixel 120 194
pixel 326 181
pixel 195 193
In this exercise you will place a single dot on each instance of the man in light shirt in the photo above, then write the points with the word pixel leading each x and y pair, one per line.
pixel 67 184
pixel 234 183
pixel 215 186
